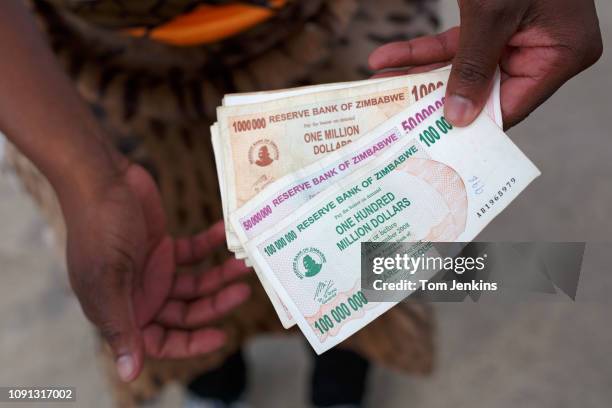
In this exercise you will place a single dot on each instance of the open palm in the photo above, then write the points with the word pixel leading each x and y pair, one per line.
pixel 123 265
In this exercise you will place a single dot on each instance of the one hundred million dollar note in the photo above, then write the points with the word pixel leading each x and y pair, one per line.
pixel 261 142
pixel 437 184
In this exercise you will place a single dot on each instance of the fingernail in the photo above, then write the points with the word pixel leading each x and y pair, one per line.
pixel 125 367
pixel 460 111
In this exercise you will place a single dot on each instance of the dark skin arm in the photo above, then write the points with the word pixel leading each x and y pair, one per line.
pixel 539 44
pixel 121 259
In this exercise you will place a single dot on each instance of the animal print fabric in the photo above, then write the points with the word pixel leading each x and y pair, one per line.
pixel 157 103
pixel 149 13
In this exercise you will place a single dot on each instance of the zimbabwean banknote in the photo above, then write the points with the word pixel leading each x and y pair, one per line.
pixel 436 184
pixel 252 219
pixel 260 142
pixel 493 109
pixel 247 98
pixel 281 310
pixel 422 84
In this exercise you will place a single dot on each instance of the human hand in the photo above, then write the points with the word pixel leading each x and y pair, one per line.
pixel 121 258
pixel 122 265
pixel 539 45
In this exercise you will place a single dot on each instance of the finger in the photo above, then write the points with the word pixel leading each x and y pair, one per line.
pixel 162 343
pixel 420 51
pixel 197 248
pixel 411 71
pixel 189 286
pixel 185 315
pixel 482 39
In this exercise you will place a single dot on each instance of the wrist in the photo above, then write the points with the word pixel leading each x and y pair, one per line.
pixel 81 176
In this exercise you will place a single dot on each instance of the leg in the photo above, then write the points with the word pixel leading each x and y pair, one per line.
pixel 222 386
pixel 339 379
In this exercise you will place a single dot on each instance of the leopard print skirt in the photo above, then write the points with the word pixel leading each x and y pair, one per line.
pixel 157 103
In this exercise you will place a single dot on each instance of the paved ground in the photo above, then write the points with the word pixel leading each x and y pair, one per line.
pixel 544 354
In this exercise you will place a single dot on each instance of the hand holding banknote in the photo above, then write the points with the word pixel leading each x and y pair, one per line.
pixel 308 174
pixel 539 44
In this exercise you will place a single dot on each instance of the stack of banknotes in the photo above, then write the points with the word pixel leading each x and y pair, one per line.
pixel 307 174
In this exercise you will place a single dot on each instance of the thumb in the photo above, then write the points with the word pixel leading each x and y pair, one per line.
pixel 482 40
pixel 104 294
pixel 120 331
